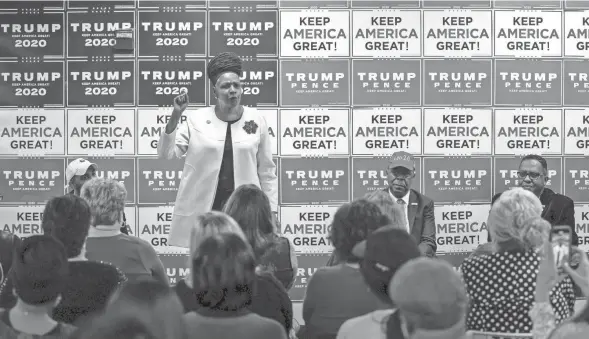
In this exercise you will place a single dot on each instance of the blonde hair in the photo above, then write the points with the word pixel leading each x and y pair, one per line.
pixel 389 207
pixel 106 198
pixel 206 225
pixel 514 217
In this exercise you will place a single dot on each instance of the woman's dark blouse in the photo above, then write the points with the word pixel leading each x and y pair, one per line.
pixel 87 290
pixel 270 300
pixel 226 183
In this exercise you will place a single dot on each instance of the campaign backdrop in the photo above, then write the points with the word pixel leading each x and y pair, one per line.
pixel 467 87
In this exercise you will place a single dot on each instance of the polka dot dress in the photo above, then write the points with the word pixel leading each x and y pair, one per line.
pixel 501 288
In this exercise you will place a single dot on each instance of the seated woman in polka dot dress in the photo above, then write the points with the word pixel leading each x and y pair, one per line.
pixel 502 285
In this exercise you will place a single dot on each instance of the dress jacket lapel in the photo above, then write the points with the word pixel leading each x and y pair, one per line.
pixel 412 210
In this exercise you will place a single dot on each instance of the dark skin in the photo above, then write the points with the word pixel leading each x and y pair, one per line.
pixel 78 180
pixel 400 180
pixel 227 90
pixel 535 178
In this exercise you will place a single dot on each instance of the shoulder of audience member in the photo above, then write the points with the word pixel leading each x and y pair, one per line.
pixel 473 262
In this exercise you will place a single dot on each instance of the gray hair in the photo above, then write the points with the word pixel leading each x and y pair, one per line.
pixel 514 217
pixel 106 198
pixel 389 207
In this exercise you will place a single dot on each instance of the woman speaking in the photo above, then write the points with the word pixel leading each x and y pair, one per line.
pixel 224 146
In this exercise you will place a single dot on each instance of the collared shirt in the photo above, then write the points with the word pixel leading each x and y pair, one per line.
pixel 103 231
pixel 405 199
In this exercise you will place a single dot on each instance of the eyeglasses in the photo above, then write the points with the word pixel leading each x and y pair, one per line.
pixel 532 175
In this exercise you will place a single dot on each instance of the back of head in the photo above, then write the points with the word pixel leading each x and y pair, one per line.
pixel 212 223
pixel 151 303
pixel 430 296
pixel 352 223
pixel 223 272
pixel 383 253
pixel 67 218
pixel 106 198
pixel 249 206
pixel 117 325
pixel 509 216
pixel 39 269
pixel 389 207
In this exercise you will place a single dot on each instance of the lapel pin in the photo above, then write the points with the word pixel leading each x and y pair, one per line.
pixel 413 204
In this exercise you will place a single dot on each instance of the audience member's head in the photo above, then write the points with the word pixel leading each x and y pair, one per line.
pixel 209 224
pixel 39 272
pixel 223 273
pixel 106 198
pixel 352 223
pixel 250 208
pixel 77 173
pixel 389 207
pixel 533 173
pixel 509 217
pixel 67 218
pixel 431 298
pixel 154 303
pixel 383 253
pixel 118 325
pixel 144 309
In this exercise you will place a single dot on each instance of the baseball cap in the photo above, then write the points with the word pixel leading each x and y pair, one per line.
pixel 383 252
pixel 77 167
pixel 430 292
pixel 402 159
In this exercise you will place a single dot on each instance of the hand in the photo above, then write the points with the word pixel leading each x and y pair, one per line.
pixel 181 102
pixel 548 275
pixel 580 275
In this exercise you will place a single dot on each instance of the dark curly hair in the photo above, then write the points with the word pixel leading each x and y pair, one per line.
pixel 352 223
pixel 67 218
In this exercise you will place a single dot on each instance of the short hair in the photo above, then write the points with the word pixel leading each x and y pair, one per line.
pixel 67 218
pixel 510 216
pixel 115 326
pixel 151 303
pixel 538 158
pixel 39 270
pixel 389 207
pixel 352 223
pixel 249 206
pixel 106 198
pixel 223 273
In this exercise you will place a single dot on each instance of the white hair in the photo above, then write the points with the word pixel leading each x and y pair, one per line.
pixel 106 198
pixel 514 217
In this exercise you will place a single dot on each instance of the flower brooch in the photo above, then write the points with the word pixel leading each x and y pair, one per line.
pixel 250 127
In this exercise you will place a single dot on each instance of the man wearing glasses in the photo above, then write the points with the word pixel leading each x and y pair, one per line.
pixel 558 209
pixel 419 209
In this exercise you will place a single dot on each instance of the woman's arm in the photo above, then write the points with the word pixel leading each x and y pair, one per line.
pixel 266 166
pixel 174 140
pixel 543 319
pixel 174 145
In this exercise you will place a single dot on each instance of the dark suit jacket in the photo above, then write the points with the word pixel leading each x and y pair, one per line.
pixel 422 223
pixel 558 210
